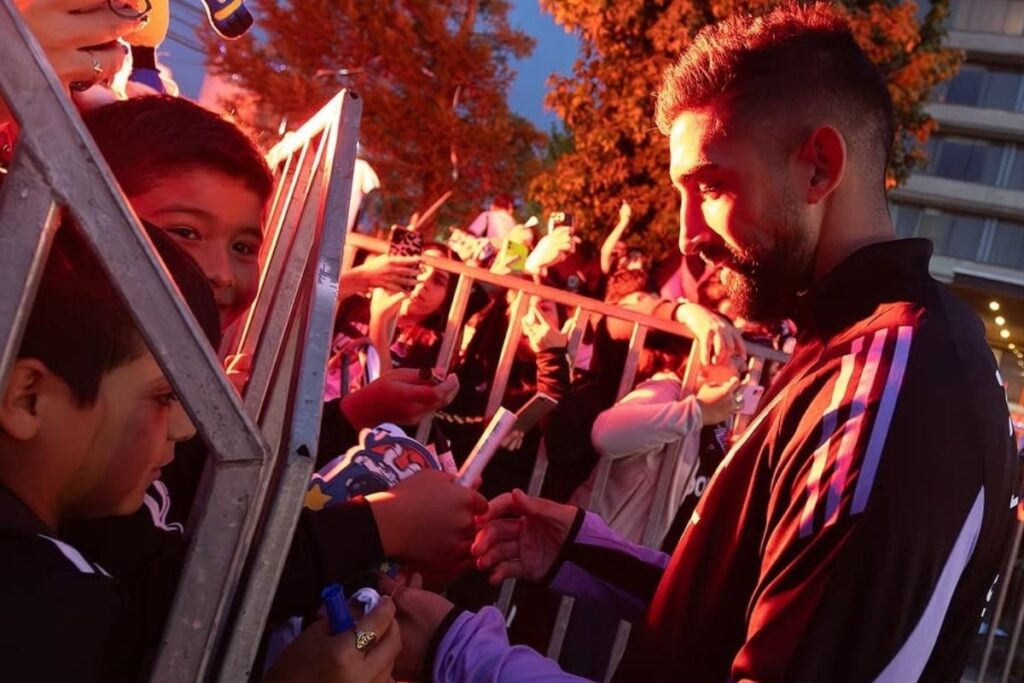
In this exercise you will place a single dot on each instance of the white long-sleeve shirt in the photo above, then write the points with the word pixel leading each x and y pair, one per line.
pixel 634 434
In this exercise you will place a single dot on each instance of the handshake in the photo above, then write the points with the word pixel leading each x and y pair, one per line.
pixel 514 536
pixel 518 537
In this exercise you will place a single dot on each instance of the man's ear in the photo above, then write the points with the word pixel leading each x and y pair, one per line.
pixel 826 154
pixel 19 414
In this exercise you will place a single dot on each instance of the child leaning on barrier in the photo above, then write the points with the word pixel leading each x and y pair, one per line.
pixel 200 179
pixel 85 427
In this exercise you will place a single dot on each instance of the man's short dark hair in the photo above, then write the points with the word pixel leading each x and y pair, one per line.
pixel 793 59
pixel 146 138
pixel 80 328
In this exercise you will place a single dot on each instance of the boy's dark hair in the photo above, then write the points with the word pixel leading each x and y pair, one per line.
pixel 796 59
pixel 146 138
pixel 79 327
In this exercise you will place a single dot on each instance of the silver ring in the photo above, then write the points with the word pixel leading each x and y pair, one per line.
pixel 97 68
pixel 737 398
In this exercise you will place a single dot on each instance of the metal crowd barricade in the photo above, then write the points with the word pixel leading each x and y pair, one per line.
pixel 1003 619
pixel 288 335
pixel 673 468
pixel 57 166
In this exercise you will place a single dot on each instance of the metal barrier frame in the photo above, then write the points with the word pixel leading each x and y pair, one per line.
pixel 56 164
pixel 308 282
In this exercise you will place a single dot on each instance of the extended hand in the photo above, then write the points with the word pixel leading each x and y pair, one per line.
pixel 400 396
pixel 426 522
pixel 520 537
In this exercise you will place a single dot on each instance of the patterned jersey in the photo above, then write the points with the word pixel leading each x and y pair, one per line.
pixel 854 531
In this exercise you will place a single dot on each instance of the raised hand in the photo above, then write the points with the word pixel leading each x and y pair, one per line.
pixel 78 37
pixel 391 273
pixel 400 396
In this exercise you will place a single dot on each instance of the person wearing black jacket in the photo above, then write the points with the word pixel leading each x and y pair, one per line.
pixel 855 529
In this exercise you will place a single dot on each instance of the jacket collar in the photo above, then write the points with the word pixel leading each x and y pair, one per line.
pixel 878 273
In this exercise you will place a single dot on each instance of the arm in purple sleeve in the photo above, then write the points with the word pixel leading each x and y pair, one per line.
pixel 596 564
pixel 475 648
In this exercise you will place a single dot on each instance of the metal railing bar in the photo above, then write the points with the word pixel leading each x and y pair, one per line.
pixel 516 311
pixel 281 235
pixel 322 279
pixel 281 180
pixel 1004 587
pixel 282 294
pixel 28 222
pixel 558 296
pixel 449 342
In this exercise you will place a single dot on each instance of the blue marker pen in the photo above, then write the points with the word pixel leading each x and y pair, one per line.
pixel 337 611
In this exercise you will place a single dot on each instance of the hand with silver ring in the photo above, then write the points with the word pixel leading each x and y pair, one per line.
pixel 67 29
pixel 97 73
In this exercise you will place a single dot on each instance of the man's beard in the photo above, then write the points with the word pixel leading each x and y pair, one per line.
pixel 764 287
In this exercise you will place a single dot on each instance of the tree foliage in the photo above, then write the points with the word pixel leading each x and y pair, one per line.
pixel 433 78
pixel 607 105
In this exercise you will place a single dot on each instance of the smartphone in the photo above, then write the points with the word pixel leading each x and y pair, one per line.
pixel 751 398
pixel 561 218
pixel 404 242
pixel 533 412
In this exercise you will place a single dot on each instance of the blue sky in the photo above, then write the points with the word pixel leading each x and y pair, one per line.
pixel 555 52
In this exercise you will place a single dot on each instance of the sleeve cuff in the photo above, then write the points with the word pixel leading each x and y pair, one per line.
pixel 435 641
pixel 574 532
pixel 347 539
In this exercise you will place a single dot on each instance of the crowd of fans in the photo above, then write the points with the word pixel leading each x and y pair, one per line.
pixel 99 465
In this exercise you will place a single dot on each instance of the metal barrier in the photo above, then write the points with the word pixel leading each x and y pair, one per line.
pixel 1003 619
pixel 288 332
pixel 584 310
pixel 57 166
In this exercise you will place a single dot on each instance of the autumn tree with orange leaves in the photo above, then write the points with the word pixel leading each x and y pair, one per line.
pixel 433 77
pixel 614 151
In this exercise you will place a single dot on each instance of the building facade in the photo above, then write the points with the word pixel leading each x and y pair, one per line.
pixel 969 200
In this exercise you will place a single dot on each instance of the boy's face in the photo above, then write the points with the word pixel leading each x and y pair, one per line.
pixel 217 219
pixel 140 421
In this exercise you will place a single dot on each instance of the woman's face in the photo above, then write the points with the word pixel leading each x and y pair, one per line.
pixel 430 291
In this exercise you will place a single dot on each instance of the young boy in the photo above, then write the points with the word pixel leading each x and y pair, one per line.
pixel 200 179
pixel 85 427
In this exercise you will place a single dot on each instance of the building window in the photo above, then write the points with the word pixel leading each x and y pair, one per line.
pixel 1007 245
pixel 988 16
pixel 975 161
pixel 986 87
pixel 955 235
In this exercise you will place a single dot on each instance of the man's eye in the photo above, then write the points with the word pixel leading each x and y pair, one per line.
pixel 710 189
pixel 167 399
pixel 183 231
